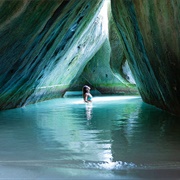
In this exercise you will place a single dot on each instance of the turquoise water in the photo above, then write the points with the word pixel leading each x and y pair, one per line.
pixel 115 137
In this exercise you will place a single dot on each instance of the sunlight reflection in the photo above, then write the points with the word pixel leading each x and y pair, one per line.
pixel 113 98
pixel 111 165
pixel 106 98
pixel 104 15
pixel 89 111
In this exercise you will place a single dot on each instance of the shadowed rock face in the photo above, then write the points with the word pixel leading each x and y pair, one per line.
pixel 150 34
pixel 46 46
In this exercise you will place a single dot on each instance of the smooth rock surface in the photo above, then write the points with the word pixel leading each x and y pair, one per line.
pixel 48 47
pixel 44 46
pixel 150 33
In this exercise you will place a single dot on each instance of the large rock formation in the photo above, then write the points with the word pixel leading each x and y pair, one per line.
pixel 47 46
pixel 99 73
pixel 150 30
pixel 44 46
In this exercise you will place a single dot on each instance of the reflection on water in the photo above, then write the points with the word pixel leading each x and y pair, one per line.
pixel 114 137
pixel 89 107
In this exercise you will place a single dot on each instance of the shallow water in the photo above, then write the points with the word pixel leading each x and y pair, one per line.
pixel 115 137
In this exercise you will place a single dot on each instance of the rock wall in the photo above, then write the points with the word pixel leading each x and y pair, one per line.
pixel 46 46
pixel 108 71
pixel 149 30
pixel 98 73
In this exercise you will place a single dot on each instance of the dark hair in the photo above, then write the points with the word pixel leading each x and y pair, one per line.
pixel 85 89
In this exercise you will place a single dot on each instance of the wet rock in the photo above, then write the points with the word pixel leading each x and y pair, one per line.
pixel 48 46
pixel 44 46
pixel 100 75
pixel 149 31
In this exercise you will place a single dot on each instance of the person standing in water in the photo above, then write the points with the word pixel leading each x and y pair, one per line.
pixel 86 94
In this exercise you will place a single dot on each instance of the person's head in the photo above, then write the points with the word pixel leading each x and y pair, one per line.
pixel 86 89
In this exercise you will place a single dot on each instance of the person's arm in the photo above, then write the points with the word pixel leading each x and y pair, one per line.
pixel 85 97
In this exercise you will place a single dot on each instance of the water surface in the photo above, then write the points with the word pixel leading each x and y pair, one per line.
pixel 115 137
